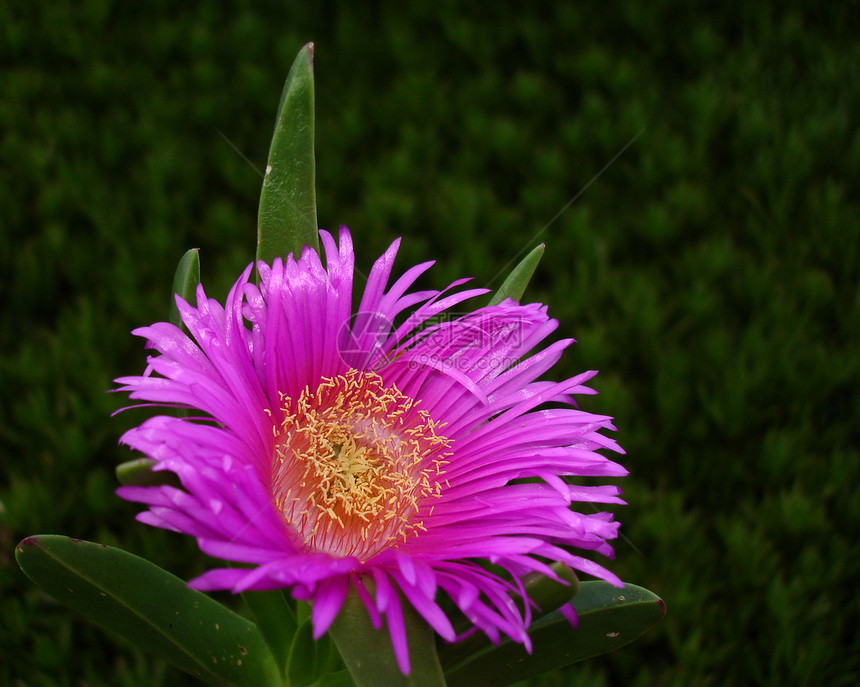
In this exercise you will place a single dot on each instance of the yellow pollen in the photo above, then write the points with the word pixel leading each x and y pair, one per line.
pixel 356 465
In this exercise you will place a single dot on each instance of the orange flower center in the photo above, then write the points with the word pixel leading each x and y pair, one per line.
pixel 356 465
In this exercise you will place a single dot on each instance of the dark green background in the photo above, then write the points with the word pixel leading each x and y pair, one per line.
pixel 710 273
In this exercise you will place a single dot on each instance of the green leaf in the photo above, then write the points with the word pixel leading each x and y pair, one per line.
pixel 287 218
pixel 542 590
pixel 275 616
pixel 303 612
pixel 185 283
pixel 300 670
pixel 369 655
pixel 609 618
pixel 154 609
pixel 515 285
pixel 309 660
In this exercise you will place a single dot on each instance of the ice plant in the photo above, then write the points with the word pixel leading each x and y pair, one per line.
pixel 395 462
pixel 402 445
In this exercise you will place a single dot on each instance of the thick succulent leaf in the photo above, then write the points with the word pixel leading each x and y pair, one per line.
pixel 287 217
pixel 185 282
pixel 139 473
pixel 300 670
pixel 369 655
pixel 154 609
pixel 275 616
pixel 609 618
pixel 309 660
pixel 515 285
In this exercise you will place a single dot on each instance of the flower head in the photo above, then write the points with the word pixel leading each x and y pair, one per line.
pixel 324 447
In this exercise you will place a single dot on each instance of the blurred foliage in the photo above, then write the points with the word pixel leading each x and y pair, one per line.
pixel 710 272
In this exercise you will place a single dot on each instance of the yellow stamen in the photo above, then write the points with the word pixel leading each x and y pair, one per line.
pixel 356 465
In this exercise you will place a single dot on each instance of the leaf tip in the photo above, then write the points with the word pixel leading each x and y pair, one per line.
pixel 29 541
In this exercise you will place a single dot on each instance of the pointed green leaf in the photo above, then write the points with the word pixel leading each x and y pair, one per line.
pixel 275 616
pixel 287 218
pixel 139 473
pixel 543 591
pixel 609 618
pixel 369 655
pixel 151 607
pixel 309 660
pixel 300 670
pixel 185 283
pixel 515 285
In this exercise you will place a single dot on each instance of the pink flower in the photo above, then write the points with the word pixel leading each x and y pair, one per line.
pixel 324 447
